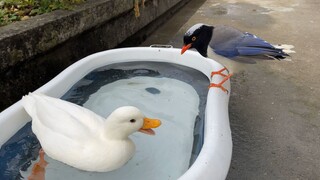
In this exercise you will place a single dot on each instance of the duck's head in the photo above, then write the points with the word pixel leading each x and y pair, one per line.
pixel 198 37
pixel 128 119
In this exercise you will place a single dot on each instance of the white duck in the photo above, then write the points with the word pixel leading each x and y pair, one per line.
pixel 80 138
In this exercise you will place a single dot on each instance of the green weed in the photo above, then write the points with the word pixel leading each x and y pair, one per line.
pixel 16 10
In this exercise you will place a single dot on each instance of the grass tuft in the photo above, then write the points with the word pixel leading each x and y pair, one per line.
pixel 17 10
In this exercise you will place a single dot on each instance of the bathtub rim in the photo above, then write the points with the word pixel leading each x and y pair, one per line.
pixel 215 156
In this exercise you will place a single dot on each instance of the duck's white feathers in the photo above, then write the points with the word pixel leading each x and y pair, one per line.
pixel 73 134
pixel 60 115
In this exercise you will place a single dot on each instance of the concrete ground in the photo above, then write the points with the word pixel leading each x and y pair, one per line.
pixel 274 105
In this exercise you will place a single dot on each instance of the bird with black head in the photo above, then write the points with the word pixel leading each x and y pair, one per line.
pixel 228 42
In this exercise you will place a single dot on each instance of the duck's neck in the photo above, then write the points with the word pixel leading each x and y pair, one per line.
pixel 115 133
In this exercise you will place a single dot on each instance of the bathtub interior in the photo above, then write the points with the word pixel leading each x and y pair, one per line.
pixel 54 88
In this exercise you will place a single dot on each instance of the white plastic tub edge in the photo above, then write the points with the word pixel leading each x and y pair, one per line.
pixel 214 159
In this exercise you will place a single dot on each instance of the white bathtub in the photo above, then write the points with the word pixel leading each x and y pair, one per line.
pixel 214 159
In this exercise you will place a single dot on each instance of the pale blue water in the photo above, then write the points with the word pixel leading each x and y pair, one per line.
pixel 175 94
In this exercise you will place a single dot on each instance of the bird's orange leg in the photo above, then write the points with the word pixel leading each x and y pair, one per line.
pixel 39 169
pixel 219 72
pixel 219 85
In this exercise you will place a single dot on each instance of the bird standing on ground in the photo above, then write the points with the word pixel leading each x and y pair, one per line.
pixel 228 42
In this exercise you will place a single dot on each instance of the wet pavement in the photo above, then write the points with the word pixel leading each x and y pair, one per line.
pixel 274 105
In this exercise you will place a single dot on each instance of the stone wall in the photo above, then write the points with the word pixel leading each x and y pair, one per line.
pixel 35 50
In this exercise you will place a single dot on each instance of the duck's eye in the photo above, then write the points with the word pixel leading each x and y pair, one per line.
pixel 132 120
pixel 194 38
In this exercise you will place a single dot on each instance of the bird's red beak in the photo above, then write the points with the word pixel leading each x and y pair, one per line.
pixel 185 47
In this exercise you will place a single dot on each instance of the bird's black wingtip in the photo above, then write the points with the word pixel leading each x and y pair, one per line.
pixel 282 56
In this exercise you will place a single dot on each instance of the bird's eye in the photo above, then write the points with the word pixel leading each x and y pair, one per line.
pixel 132 120
pixel 194 38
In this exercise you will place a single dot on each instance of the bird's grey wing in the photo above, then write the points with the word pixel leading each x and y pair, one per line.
pixel 225 40
pixel 253 45
pixel 229 42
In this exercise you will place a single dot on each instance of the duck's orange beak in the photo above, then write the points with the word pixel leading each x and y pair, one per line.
pixel 185 47
pixel 148 124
